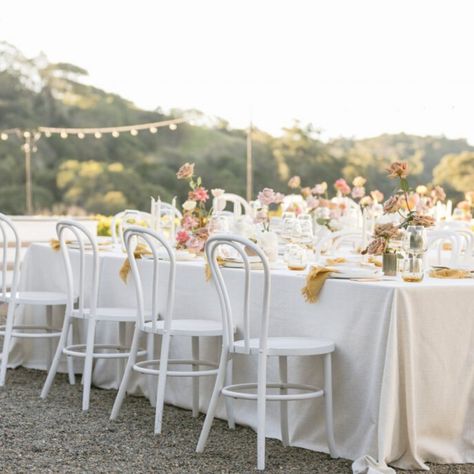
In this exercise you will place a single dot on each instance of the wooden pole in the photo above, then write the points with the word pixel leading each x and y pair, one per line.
pixel 249 164
pixel 27 147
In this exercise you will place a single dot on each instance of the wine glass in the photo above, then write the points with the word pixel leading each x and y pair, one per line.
pixel 412 269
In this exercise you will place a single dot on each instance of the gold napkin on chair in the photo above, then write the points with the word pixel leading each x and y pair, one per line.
pixel 140 250
pixel 56 245
pixel 207 268
pixel 314 283
pixel 449 273
pixel 335 261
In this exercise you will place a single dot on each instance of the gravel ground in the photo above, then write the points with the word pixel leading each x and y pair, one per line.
pixel 55 436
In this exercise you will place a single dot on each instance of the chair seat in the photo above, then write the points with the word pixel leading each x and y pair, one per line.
pixel 109 314
pixel 44 298
pixel 188 327
pixel 287 346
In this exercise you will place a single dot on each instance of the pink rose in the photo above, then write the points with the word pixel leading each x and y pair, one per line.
pixel 266 197
pixel 358 192
pixel 186 171
pixel 199 194
pixel 342 186
pixel 392 205
pixel 195 245
pixel 182 237
pixel 320 188
pixel 377 196
pixel 189 222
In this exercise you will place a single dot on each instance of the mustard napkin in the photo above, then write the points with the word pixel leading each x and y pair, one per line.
pixel 140 250
pixel 56 245
pixel 335 261
pixel 314 283
pixel 449 273
pixel 375 261
pixel 207 268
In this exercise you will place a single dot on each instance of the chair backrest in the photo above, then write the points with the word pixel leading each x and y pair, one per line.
pixel 436 239
pixel 238 204
pixel 334 240
pixel 167 208
pixel 83 239
pixel 9 234
pixel 240 244
pixel 154 242
pixel 116 225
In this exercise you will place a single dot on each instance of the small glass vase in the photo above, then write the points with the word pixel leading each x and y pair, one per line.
pixel 389 263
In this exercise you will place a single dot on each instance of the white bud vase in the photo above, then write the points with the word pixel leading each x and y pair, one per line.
pixel 268 241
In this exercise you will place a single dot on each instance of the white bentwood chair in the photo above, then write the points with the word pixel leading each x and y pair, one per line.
pixel 166 327
pixel 92 313
pixel 239 204
pixel 437 238
pixel 116 224
pixel 10 295
pixel 263 347
pixel 333 241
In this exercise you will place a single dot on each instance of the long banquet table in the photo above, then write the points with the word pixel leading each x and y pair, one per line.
pixel 403 366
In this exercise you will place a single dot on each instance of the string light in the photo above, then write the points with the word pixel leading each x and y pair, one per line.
pixel 37 136
pixel 63 134
pixel 134 132
pixel 115 134
pixel 27 134
pixel 98 135
pixel 47 134
pixel 173 126
pixel 4 136
pixel 153 130
pixel 80 135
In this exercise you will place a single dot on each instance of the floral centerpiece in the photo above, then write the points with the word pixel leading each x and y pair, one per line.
pixel 194 231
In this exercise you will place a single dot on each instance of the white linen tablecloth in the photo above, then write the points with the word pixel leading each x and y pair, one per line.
pixel 403 366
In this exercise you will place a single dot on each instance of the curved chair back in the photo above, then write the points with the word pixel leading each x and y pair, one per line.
pixel 334 240
pixel 155 242
pixel 167 208
pixel 240 244
pixel 83 239
pixel 8 233
pixel 238 204
pixel 116 224
pixel 436 239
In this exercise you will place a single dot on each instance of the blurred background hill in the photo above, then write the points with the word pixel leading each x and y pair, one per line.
pixel 109 174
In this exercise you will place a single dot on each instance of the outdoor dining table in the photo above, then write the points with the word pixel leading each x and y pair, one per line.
pixel 403 369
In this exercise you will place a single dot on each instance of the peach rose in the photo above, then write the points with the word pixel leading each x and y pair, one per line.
pixel 377 246
pixel 377 196
pixel 186 171
pixel 392 205
pixel 294 182
pixel 359 181
pixel 320 188
pixel 399 169
pixel 425 221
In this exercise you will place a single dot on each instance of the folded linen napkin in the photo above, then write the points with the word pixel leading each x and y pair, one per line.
pixel 56 245
pixel 207 268
pixel 139 252
pixel 449 273
pixel 335 261
pixel 375 261
pixel 314 283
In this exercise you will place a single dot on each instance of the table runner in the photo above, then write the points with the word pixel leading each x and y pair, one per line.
pixel 403 366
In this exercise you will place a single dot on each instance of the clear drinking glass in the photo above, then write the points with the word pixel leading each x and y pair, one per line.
pixel 288 223
pixel 415 240
pixel 219 224
pixel 296 257
pixel 305 222
pixel 411 269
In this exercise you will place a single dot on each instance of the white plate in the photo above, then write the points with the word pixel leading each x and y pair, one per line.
pixel 356 273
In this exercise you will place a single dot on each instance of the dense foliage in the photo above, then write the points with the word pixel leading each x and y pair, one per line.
pixel 108 174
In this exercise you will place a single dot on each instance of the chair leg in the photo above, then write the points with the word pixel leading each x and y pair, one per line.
pixel 195 356
pixel 211 409
pixel 69 359
pixel 229 402
pixel 152 380
pixel 126 374
pixel 283 365
pixel 89 359
pixel 160 392
pixel 49 323
pixel 121 341
pixel 57 356
pixel 6 341
pixel 328 408
pixel 261 409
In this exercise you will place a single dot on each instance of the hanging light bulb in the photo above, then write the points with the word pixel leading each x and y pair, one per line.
pixel 37 136
pixel 47 134
pixel 153 129
pixel 173 126
pixel 98 135
pixel 27 134
pixel 63 134
pixel 34 149
pixel 134 132
pixel 80 135
pixel 4 136
pixel 115 134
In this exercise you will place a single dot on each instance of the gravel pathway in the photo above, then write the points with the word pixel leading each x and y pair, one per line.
pixel 55 436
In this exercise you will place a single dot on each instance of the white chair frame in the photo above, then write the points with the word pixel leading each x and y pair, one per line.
pixel 238 203
pixel 166 328
pixel 92 313
pixel 15 298
pixel 117 235
pixel 334 240
pixel 262 347
pixel 436 238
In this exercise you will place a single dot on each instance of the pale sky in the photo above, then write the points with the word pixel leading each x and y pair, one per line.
pixel 353 68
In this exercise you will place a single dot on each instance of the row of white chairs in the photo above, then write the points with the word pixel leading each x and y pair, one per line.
pixel 82 266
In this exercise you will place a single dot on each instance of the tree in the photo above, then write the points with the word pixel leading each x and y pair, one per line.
pixel 456 171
